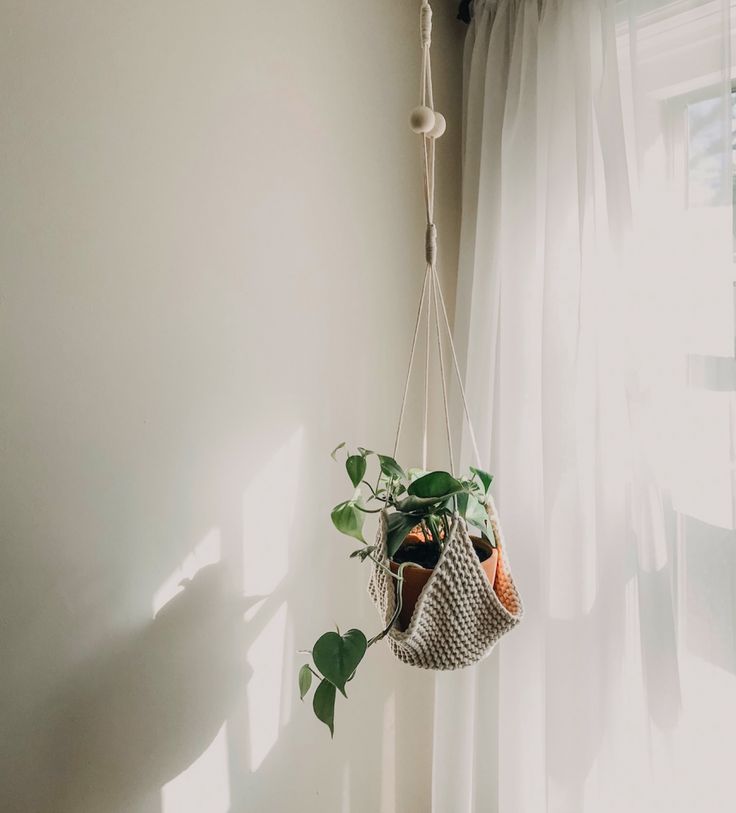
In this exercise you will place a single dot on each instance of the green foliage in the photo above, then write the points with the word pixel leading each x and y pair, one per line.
pixel 363 553
pixel 356 466
pixel 337 656
pixel 305 680
pixel 475 514
pixel 323 704
pixel 411 499
pixel 485 478
pixel 435 485
pixel 348 519
pixel 390 468
pixel 399 525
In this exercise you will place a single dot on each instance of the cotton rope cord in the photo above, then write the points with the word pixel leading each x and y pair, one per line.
pixel 448 429
pixel 411 362
pixel 425 417
pixel 456 365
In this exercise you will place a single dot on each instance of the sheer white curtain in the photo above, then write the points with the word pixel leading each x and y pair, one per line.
pixel 596 309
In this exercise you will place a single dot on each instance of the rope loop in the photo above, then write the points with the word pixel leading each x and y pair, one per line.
pixel 430 244
pixel 425 25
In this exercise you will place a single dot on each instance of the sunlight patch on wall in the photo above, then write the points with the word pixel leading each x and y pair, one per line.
pixel 345 804
pixel 266 657
pixel 388 759
pixel 207 552
pixel 205 785
pixel 288 668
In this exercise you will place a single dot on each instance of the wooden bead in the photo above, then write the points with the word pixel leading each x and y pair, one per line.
pixel 421 119
pixel 440 125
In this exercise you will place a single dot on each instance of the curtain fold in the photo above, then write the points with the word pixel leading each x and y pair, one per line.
pixel 595 321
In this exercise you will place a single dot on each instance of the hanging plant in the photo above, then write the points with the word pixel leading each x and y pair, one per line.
pixel 445 595
pixel 419 509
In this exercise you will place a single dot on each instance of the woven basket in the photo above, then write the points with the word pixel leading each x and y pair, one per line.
pixel 459 616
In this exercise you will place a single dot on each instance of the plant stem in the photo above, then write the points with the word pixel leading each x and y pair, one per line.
pixel 447 527
pixel 425 530
pixel 366 483
pixel 378 481
pixel 399 604
pixel 381 565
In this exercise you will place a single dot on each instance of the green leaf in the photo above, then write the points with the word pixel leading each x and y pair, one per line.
pixel 362 553
pixel 348 520
pixel 474 513
pixel 365 452
pixel 399 526
pixel 390 467
pixel 483 476
pixel 337 656
pixel 415 474
pixel 356 466
pixel 337 449
pixel 324 704
pixel 434 527
pixel 414 505
pixel 435 484
pixel 305 680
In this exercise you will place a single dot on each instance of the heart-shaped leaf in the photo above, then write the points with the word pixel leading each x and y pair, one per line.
pixel 483 476
pixel 435 484
pixel 323 704
pixel 305 680
pixel 337 656
pixel 356 466
pixel 348 520
pixel 390 467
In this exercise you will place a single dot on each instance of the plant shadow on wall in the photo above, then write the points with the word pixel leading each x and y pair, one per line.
pixel 154 705
pixel 192 710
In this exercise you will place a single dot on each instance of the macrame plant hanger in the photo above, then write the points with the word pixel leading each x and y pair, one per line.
pixel 459 616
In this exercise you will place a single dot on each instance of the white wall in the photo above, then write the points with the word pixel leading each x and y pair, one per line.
pixel 210 254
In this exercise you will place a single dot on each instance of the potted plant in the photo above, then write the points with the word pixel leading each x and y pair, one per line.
pixel 419 508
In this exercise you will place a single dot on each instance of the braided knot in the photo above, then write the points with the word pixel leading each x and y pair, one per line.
pixel 425 25
pixel 430 244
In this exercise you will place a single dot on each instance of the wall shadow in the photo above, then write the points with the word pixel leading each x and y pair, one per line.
pixel 710 601
pixel 142 714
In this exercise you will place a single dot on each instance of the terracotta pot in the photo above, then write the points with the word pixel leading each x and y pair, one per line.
pixel 416 577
